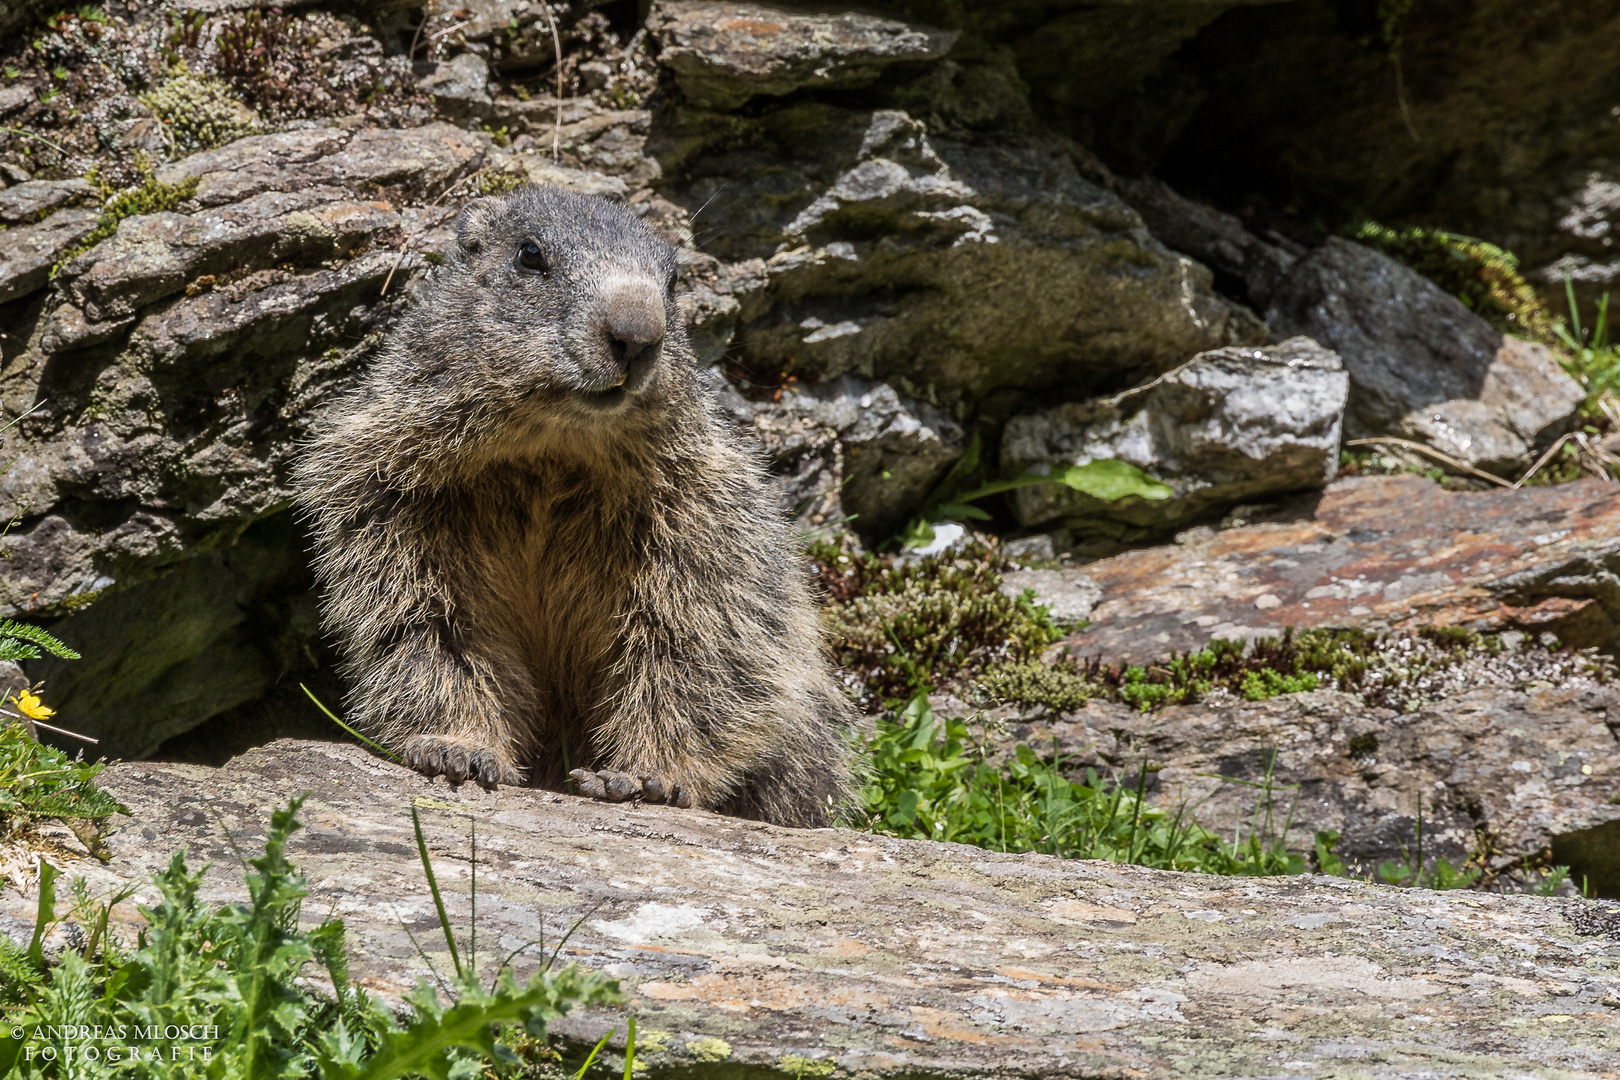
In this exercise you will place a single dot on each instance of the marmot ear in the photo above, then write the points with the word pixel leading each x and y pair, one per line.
pixel 476 224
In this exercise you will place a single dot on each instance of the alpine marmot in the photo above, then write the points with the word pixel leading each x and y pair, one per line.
pixel 541 547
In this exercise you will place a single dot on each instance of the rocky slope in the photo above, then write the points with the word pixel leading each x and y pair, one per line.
pixel 896 247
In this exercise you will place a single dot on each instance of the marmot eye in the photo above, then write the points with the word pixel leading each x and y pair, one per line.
pixel 530 257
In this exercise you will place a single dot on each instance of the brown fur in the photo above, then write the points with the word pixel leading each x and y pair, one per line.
pixel 526 566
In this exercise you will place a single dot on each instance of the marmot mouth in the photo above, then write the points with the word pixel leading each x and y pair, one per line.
pixel 605 399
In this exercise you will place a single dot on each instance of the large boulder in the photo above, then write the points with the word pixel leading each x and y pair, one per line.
pixel 1421 364
pixel 978 264
pixel 1229 426
pixel 746 948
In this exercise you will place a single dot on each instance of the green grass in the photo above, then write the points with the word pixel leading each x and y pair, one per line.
pixel 927 780
pixel 236 970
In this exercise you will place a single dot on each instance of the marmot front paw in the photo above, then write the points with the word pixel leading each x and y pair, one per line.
pixel 457 760
pixel 620 787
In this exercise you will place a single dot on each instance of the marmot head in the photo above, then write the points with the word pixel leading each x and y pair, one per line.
pixel 558 300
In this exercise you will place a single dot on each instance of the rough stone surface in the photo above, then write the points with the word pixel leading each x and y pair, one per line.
pixel 757 947
pixel 27 253
pixel 1505 774
pixel 1230 425
pixel 722 54
pixel 29 202
pixel 459 86
pixel 852 448
pixel 1421 364
pixel 861 243
pixel 1379 552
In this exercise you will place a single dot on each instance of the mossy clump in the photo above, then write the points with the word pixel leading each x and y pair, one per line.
pixel 199 112
pixel 148 195
pixel 899 623
pixel 501 181
pixel 1057 686
pixel 1403 671
pixel 1483 276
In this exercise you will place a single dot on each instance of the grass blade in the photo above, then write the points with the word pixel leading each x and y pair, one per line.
pixel 332 716
pixel 597 1049
pixel 433 887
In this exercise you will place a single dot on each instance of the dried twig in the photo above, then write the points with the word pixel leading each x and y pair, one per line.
pixel 1429 451
pixel 1542 460
pixel 556 41
pixel 32 723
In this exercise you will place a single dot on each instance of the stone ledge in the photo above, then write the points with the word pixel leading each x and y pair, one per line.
pixel 761 947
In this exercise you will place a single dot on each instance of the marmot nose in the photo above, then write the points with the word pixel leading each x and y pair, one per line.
pixel 634 321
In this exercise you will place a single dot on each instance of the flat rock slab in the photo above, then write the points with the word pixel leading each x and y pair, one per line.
pixel 1396 552
pixel 746 949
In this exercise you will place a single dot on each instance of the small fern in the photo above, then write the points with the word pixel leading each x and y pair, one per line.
pixel 20 641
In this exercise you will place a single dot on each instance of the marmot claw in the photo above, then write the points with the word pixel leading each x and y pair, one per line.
pixel 612 786
pixel 456 761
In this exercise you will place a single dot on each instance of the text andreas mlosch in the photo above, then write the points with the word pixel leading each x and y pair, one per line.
pixel 118 1043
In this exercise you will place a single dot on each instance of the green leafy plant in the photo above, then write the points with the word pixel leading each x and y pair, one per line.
pixel 1105 479
pixel 237 970
pixel 1592 358
pixel 899 623
pixel 20 641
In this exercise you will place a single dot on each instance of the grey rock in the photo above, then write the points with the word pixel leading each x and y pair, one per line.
pixel 862 244
pixel 420 160
pixel 1523 766
pixel 1228 426
pixel 13 98
pixel 786 951
pixel 459 86
pixel 28 252
pixel 724 53
pixel 854 448
pixel 29 202
pixel 1070 597
pixel 153 256
pixel 1421 364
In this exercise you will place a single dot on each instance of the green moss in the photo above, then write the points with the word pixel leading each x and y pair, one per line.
pixel 500 182
pixel 198 111
pixel 1056 686
pixel 150 196
pixel 1481 275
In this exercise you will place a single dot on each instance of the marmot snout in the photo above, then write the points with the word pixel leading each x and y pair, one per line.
pixel 541 548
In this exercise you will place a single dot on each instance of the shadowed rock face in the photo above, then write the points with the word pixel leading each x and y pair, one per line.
pixel 744 946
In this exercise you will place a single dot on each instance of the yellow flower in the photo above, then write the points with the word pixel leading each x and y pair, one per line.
pixel 32 707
